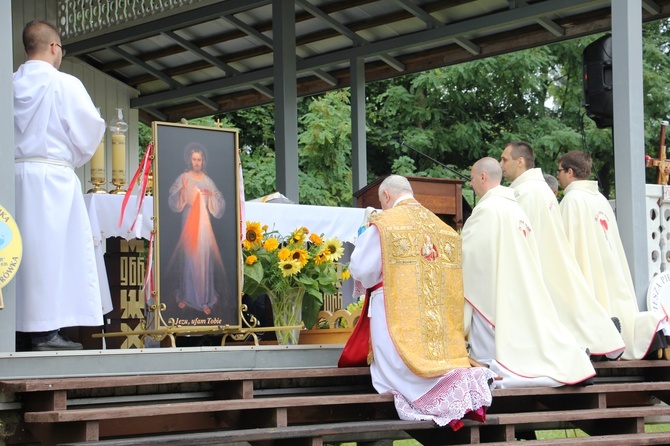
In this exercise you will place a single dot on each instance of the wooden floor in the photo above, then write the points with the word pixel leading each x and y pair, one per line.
pixel 313 406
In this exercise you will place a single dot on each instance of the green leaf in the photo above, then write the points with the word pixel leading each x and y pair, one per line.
pixel 311 307
pixel 254 272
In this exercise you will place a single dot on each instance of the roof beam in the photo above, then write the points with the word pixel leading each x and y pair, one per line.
pixel 551 26
pixel 265 74
pixel 528 14
pixel 265 40
pixel 155 112
pixel 160 75
pixel 419 13
pixel 651 7
pixel 176 21
pixel 519 16
pixel 189 46
pixel 351 35
pixel 468 45
pixel 545 22
pixel 145 66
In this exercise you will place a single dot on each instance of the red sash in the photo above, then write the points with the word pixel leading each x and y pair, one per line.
pixel 355 352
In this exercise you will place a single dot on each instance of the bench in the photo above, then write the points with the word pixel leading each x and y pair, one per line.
pixel 310 406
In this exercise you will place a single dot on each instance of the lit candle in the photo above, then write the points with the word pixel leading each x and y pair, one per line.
pixel 118 128
pixel 119 158
pixel 98 163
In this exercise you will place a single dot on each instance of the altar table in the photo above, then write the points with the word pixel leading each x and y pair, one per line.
pixel 104 211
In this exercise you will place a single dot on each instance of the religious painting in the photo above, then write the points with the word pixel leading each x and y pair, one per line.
pixel 197 244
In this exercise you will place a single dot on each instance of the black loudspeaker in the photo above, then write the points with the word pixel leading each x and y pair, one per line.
pixel 597 81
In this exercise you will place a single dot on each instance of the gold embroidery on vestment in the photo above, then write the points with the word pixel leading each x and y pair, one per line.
pixel 423 289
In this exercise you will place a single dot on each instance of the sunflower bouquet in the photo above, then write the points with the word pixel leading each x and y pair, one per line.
pixel 301 263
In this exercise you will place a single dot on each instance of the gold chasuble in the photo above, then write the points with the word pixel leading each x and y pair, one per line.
pixel 423 288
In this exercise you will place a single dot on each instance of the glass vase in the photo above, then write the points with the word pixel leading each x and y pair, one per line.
pixel 287 311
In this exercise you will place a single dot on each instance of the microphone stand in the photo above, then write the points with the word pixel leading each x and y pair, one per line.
pixel 463 177
pixel 460 175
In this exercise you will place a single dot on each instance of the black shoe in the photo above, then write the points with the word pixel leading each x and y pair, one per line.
pixel 658 344
pixel 586 382
pixel 56 343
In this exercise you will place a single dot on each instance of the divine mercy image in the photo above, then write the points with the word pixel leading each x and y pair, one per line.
pixel 196 257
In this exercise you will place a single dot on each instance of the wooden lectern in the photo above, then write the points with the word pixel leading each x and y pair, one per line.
pixel 442 196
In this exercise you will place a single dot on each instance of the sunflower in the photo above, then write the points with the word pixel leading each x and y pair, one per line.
pixel 298 236
pixel 253 236
pixel 321 257
pixel 289 267
pixel 346 274
pixel 314 238
pixel 333 249
pixel 271 244
pixel 300 255
pixel 251 260
pixel 284 254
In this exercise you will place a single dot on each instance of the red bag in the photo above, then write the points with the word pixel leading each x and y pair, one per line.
pixel 355 352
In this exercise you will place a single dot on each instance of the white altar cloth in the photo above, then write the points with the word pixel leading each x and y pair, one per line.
pixel 104 211
pixel 342 223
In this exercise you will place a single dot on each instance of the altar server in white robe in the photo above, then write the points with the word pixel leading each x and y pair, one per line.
pixel 411 261
pixel 576 305
pixel 593 234
pixel 56 128
pixel 509 315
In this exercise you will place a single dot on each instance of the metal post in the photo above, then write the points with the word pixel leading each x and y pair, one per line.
pixel 8 315
pixel 629 139
pixel 286 98
pixel 359 164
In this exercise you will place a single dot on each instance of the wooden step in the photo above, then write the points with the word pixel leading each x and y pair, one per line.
pixel 148 410
pixel 282 433
pixel 583 414
pixel 575 390
pixel 51 384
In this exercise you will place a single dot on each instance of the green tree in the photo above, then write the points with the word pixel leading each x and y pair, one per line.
pixel 325 151
pixel 454 115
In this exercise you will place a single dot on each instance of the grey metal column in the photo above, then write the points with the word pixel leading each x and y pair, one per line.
pixel 359 162
pixel 8 315
pixel 629 139
pixel 286 98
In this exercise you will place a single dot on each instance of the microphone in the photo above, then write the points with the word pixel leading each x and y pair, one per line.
pixel 401 142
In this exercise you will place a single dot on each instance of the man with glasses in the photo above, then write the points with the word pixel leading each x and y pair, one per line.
pixel 56 128
pixel 592 232
pixel 574 301
pixel 510 321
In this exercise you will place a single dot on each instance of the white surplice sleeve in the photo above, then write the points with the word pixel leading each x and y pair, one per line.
pixel 366 260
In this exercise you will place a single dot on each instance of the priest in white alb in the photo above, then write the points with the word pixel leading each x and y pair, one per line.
pixel 509 316
pixel 56 128
pixel 593 234
pixel 576 305
pixel 410 261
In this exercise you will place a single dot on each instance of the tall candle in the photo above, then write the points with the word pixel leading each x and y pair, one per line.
pixel 119 158
pixel 98 163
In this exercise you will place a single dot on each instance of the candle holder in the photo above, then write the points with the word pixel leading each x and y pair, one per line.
pixel 98 167
pixel 118 128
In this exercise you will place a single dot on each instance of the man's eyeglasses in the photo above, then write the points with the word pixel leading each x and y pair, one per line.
pixel 63 50
pixel 561 170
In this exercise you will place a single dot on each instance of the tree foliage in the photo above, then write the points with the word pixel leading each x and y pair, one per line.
pixel 454 115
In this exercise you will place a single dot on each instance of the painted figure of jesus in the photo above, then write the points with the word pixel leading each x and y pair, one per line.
pixel 195 195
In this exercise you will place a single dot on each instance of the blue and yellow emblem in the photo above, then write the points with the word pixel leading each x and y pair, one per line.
pixel 11 250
